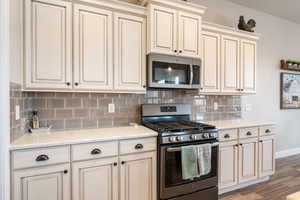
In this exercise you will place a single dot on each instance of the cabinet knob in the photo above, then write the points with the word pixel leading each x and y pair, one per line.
pixel 96 152
pixel 268 131
pixel 41 158
pixel 175 51
pixel 68 83
pixel 76 84
pixel 180 51
pixel 144 86
pixel 261 141
pixel 123 162
pixel 115 164
pixel 66 171
pixel 226 136
pixel 249 133
pixel 139 146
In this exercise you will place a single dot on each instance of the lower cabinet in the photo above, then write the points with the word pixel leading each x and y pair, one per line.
pixel 228 164
pixel 89 177
pixel 248 160
pixel 267 155
pixel 137 177
pixel 245 158
pixel 44 183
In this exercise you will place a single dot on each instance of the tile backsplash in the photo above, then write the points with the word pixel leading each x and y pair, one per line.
pixel 88 110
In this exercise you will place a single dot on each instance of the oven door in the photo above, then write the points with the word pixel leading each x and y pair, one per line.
pixel 171 181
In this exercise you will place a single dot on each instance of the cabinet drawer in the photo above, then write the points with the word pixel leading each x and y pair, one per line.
pixel 227 135
pixel 266 130
pixel 138 145
pixel 94 150
pixel 40 157
pixel 248 132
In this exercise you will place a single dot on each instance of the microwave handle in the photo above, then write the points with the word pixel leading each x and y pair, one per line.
pixel 191 74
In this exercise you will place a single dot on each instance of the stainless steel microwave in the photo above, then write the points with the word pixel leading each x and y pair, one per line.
pixel 173 72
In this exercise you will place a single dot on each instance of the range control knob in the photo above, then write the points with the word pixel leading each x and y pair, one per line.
pixel 213 135
pixel 205 135
pixel 193 137
pixel 179 138
pixel 172 139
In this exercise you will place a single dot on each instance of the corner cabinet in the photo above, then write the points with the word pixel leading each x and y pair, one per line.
pixel 229 61
pixel 88 48
pixel 174 29
pixel 48 44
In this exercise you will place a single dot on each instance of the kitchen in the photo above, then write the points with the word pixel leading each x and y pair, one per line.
pixel 117 94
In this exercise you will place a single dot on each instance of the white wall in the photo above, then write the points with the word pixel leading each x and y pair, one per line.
pixel 280 39
pixel 4 100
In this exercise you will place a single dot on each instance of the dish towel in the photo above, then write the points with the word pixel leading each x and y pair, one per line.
pixel 189 162
pixel 204 159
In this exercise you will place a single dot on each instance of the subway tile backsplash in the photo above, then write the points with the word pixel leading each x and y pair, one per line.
pixel 65 111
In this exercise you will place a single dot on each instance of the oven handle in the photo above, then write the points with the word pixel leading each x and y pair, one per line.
pixel 176 149
pixel 191 74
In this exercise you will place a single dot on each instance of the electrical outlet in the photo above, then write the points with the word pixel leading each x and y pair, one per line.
pixel 17 112
pixel 111 108
pixel 216 106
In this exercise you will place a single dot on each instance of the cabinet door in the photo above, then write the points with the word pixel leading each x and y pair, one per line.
pixel 248 66
pixel 93 48
pixel 230 64
pixel 95 179
pixel 189 31
pixel 248 160
pixel 266 156
pixel 130 52
pixel 138 176
pixel 228 164
pixel 48 38
pixel 48 183
pixel 211 61
pixel 163 30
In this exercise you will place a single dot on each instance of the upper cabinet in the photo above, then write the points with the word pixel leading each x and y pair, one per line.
pixel 48 42
pixel 92 48
pixel 228 61
pixel 174 28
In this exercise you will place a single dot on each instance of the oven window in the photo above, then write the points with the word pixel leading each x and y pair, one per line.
pixel 173 168
pixel 168 73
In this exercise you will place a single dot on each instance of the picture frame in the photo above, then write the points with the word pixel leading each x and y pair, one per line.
pixel 289 90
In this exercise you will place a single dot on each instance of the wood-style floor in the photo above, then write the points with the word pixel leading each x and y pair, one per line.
pixel 286 181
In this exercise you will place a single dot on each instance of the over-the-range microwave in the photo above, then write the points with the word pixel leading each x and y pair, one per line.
pixel 173 72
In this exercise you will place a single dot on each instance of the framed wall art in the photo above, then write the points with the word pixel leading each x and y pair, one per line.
pixel 290 91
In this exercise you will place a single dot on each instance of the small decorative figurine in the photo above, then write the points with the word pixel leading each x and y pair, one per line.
pixel 249 26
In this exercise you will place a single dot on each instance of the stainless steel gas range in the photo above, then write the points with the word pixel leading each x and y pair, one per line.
pixel 177 131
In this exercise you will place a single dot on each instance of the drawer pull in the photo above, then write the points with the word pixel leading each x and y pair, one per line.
pixel 115 164
pixel 268 131
pixel 139 146
pixel 226 136
pixel 41 158
pixel 249 133
pixel 123 162
pixel 96 152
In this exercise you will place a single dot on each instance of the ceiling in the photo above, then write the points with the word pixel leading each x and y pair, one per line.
pixel 287 9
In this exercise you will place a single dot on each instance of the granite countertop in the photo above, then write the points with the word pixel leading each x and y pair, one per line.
pixel 81 136
pixel 231 124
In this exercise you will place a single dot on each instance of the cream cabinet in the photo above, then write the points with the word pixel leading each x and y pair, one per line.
pixel 48 44
pixel 138 177
pixel 246 156
pixel 230 64
pixel 95 179
pixel 228 61
pixel 93 48
pixel 267 155
pixel 48 183
pixel 211 62
pixel 248 160
pixel 228 164
pixel 130 52
pixel 174 31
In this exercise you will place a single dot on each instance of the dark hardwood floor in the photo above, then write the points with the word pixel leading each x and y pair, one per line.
pixel 286 181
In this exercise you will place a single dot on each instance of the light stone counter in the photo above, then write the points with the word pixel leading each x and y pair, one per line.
pixel 81 136
pixel 232 124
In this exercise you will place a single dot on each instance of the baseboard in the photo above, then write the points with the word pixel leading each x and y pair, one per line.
pixel 286 153
pixel 243 185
